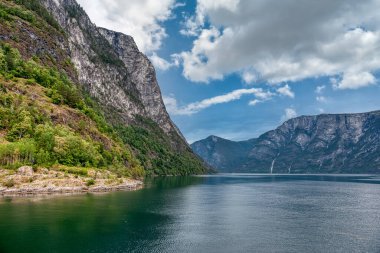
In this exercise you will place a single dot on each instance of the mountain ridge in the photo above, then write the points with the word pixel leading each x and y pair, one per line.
pixel 325 143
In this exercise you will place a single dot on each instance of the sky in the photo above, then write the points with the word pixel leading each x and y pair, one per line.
pixel 238 68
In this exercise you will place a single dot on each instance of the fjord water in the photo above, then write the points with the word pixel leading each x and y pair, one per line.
pixel 218 213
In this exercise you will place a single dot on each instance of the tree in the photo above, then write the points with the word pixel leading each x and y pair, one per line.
pixel 23 128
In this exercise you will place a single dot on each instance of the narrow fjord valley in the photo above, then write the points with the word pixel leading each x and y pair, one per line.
pixel 92 92
pixel 327 143
pixel 80 106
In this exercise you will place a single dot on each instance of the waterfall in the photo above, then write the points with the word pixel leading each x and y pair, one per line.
pixel 271 168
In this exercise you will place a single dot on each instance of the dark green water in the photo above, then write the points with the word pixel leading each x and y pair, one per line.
pixel 221 213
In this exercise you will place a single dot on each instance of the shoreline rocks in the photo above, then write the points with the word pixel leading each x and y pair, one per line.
pixel 64 190
pixel 26 182
pixel 25 170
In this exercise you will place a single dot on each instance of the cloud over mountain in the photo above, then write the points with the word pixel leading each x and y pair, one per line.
pixel 173 107
pixel 127 17
pixel 284 41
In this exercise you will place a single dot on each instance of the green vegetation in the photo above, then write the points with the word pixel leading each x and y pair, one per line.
pixel 156 153
pixel 29 27
pixel 74 170
pixel 90 182
pixel 9 183
pixel 35 5
pixel 7 13
pixel 32 8
pixel 32 137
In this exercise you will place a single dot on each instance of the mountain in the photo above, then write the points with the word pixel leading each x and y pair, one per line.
pixel 96 77
pixel 222 154
pixel 327 143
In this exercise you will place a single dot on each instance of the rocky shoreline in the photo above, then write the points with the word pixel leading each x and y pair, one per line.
pixel 25 181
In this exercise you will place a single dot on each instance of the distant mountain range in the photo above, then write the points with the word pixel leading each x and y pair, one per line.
pixel 326 143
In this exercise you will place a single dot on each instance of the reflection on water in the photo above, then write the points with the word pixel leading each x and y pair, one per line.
pixel 218 213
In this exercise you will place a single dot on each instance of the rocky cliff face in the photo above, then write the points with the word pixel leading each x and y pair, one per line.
pixel 142 74
pixel 328 143
pixel 110 66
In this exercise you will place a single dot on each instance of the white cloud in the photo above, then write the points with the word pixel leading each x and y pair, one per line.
pixel 192 108
pixel 180 4
pixel 141 19
pixel 285 41
pixel 190 26
pixel 321 99
pixel 354 80
pixel 172 106
pixel 249 77
pixel 255 102
pixel 163 64
pixel 206 5
pixel 320 89
pixel 334 82
pixel 286 91
pixel 197 57
pixel 289 114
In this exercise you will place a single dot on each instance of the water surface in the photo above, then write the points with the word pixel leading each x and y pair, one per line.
pixel 219 213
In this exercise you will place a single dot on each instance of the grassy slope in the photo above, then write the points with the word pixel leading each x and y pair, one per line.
pixel 45 120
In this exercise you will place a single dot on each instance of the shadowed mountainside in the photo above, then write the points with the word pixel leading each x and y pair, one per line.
pixel 327 143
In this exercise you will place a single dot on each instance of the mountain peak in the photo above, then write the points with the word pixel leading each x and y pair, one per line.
pixel 214 138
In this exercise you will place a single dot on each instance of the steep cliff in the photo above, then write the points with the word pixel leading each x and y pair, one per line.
pixel 327 143
pixel 119 80
pixel 110 66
